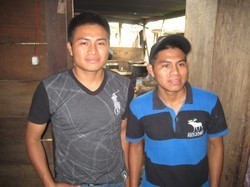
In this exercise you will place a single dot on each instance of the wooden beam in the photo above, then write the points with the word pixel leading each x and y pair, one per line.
pixel 56 34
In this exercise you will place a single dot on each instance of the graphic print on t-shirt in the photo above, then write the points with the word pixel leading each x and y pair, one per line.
pixel 198 128
pixel 117 104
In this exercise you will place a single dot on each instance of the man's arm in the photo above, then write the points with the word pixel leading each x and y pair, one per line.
pixel 215 159
pixel 125 145
pixel 37 154
pixel 135 163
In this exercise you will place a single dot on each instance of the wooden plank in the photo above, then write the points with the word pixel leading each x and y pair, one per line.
pixel 17 153
pixel 12 142
pixel 16 62
pixel 12 131
pixel 201 57
pixel 15 98
pixel 245 170
pixel 19 176
pixel 56 22
pixel 126 53
pixel 18 21
pixel 230 79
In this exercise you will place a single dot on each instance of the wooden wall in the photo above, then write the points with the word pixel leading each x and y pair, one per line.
pixel 17 38
pixel 19 78
pixel 219 31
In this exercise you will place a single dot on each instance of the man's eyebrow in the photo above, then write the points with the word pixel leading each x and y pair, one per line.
pixel 88 38
pixel 105 39
pixel 183 60
pixel 167 61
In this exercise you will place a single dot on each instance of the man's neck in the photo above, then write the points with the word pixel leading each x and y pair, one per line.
pixel 91 80
pixel 173 100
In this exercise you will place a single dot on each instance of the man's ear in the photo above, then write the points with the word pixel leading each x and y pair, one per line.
pixel 69 48
pixel 150 70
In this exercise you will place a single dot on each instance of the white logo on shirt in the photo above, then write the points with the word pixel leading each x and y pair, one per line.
pixel 117 105
pixel 198 128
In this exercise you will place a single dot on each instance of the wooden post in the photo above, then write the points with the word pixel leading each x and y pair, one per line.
pixel 57 15
pixel 219 31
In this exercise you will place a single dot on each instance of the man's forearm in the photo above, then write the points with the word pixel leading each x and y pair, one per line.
pixel 215 156
pixel 135 163
pixel 125 146
pixel 39 161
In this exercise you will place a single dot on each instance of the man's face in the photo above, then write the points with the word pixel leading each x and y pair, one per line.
pixel 90 47
pixel 170 70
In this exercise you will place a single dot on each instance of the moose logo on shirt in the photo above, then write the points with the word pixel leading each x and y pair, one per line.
pixel 197 128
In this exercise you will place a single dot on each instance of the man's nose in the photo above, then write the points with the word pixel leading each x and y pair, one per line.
pixel 92 49
pixel 174 70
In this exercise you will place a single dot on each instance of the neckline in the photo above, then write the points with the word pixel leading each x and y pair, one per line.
pixel 84 88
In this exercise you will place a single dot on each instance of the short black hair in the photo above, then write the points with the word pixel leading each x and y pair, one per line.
pixel 87 17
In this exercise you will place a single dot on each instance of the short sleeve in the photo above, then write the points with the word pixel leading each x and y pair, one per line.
pixel 135 131
pixel 39 110
pixel 130 97
pixel 218 123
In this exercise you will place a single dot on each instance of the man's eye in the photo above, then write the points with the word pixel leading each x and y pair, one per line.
pixel 101 43
pixel 182 64
pixel 83 43
pixel 165 65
